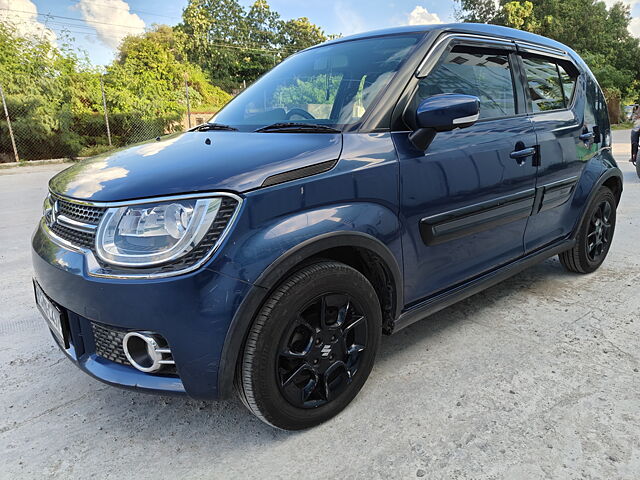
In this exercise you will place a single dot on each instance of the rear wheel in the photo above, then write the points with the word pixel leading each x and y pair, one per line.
pixel 311 347
pixel 595 234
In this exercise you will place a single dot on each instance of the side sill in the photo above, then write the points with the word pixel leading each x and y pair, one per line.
pixel 460 292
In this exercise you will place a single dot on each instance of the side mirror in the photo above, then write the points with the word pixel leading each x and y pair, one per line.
pixel 442 113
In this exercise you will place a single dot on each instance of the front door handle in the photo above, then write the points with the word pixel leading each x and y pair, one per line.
pixel 585 137
pixel 521 155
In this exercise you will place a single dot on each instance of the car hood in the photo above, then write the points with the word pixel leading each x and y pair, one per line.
pixel 194 162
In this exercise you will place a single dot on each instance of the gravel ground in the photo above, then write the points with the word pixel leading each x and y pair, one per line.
pixel 537 377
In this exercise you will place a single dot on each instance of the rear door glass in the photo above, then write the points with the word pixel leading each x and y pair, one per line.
pixel 543 84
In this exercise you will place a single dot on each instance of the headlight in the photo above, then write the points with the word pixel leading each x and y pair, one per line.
pixel 154 233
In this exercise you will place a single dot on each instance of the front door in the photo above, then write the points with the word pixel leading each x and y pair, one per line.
pixel 465 201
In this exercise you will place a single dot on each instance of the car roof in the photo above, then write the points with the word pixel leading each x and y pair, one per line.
pixel 477 28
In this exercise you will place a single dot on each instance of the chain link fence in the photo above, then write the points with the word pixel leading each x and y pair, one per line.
pixel 38 123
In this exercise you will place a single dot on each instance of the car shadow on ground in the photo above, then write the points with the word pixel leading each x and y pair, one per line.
pixel 187 420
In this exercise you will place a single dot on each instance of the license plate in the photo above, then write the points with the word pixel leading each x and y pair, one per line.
pixel 51 314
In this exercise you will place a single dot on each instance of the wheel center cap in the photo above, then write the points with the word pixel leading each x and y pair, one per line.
pixel 326 350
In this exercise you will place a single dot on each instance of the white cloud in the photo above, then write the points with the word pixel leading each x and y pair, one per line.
pixel 350 21
pixel 421 16
pixel 611 3
pixel 23 15
pixel 634 27
pixel 111 20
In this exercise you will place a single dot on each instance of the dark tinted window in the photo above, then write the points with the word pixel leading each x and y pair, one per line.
pixel 545 89
pixel 473 71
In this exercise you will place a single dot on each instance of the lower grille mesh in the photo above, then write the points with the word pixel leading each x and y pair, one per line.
pixel 77 238
pixel 108 342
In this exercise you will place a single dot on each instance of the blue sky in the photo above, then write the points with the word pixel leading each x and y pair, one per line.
pixel 98 25
pixel 333 16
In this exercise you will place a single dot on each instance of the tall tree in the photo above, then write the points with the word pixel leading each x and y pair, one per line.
pixel 599 34
pixel 236 45
pixel 299 33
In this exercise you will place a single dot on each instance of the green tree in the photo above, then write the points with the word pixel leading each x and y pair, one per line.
pixel 149 78
pixel 235 45
pixel 299 33
pixel 599 34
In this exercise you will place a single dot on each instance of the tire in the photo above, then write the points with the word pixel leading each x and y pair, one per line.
pixel 597 225
pixel 299 368
pixel 637 164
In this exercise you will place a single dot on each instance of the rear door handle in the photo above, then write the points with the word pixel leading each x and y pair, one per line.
pixel 586 136
pixel 525 152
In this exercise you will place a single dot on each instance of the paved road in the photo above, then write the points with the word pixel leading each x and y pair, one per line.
pixel 535 378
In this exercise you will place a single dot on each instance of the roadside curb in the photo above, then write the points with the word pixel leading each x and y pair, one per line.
pixel 32 163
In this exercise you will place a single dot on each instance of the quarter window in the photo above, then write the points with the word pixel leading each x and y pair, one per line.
pixel 483 73
pixel 568 83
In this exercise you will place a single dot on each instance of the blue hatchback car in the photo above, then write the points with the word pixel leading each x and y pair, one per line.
pixel 357 187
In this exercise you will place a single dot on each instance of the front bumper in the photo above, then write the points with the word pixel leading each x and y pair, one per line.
pixel 192 312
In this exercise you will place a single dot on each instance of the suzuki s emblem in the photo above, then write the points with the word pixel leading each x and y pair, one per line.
pixel 52 215
pixel 326 350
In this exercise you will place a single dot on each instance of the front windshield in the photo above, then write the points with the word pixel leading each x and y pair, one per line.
pixel 333 85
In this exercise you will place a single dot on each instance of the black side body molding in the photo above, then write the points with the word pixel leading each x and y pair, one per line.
pixel 476 218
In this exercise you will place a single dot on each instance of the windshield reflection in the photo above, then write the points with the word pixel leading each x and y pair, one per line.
pixel 330 85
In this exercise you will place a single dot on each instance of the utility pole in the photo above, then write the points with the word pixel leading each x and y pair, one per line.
pixel 186 89
pixel 104 105
pixel 6 113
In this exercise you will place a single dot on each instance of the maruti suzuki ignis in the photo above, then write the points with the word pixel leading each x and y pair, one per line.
pixel 357 187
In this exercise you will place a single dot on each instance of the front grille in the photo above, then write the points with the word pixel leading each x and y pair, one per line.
pixel 75 237
pixel 80 213
pixel 108 342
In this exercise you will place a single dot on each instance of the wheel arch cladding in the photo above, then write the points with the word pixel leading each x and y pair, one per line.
pixel 614 183
pixel 601 170
pixel 360 251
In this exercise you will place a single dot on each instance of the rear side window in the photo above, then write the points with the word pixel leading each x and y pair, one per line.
pixel 474 71
pixel 550 85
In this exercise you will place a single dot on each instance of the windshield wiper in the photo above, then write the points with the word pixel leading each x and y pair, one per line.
pixel 294 127
pixel 207 127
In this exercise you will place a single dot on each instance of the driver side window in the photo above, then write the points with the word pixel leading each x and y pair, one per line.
pixel 475 71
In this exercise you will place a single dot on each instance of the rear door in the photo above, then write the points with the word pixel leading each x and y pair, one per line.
pixel 567 136
pixel 466 200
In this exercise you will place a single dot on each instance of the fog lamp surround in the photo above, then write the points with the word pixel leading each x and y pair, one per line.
pixel 154 233
pixel 143 352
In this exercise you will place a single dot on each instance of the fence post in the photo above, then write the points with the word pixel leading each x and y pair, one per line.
pixel 186 88
pixel 104 105
pixel 6 113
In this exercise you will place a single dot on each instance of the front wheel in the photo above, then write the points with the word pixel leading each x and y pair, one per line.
pixel 595 234
pixel 311 347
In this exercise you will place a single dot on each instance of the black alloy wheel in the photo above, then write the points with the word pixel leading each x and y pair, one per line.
pixel 311 347
pixel 594 235
pixel 321 352
pixel 600 231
